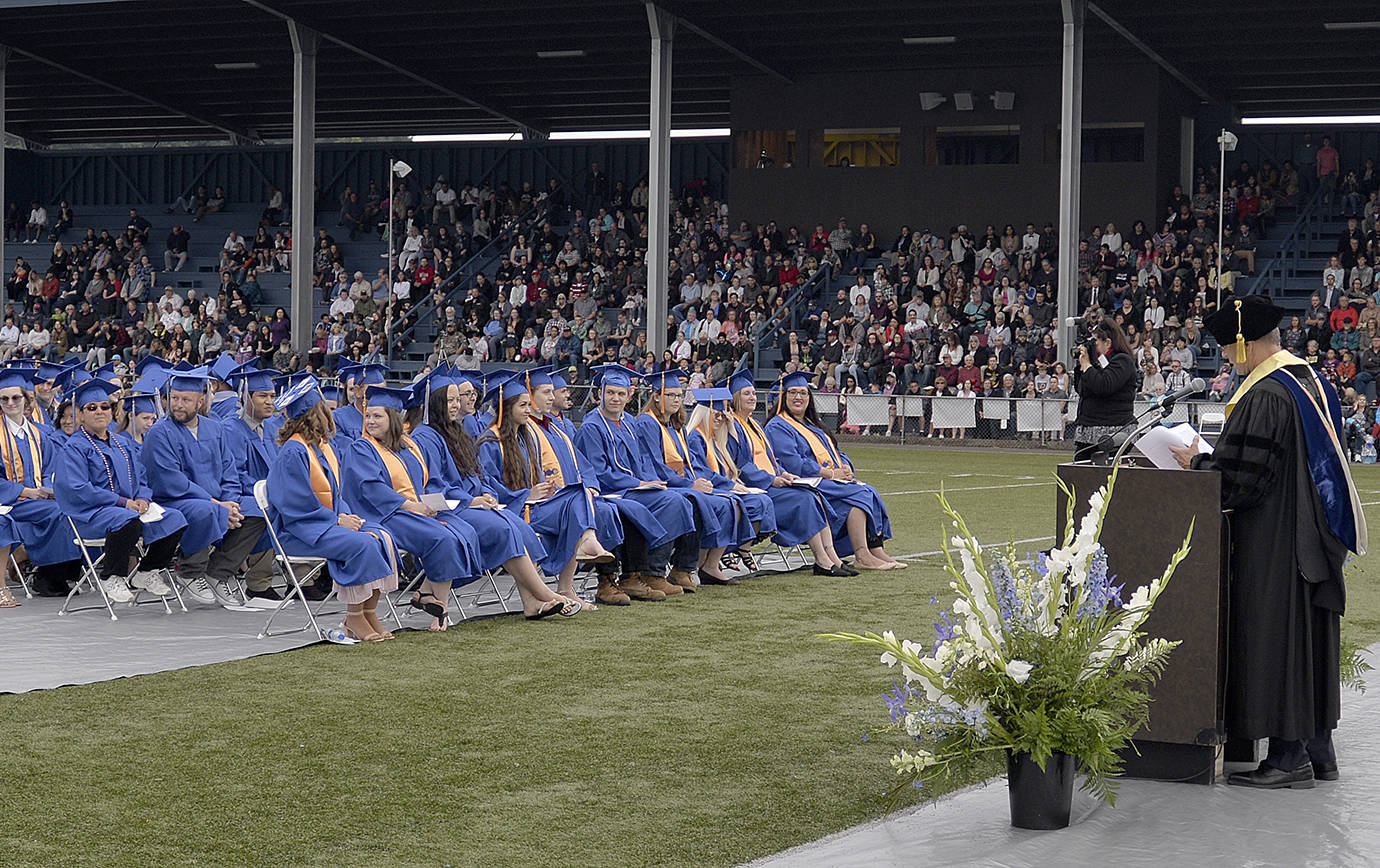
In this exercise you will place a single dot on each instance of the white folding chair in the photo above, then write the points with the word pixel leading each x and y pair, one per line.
pixel 487 583
pixel 288 568
pixel 19 574
pixel 90 579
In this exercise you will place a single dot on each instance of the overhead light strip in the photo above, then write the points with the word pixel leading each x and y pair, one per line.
pixel 929 40
pixel 1310 120
pixel 575 135
pixel 1351 25
pixel 557 55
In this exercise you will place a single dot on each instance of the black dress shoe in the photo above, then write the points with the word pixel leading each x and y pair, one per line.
pixel 833 572
pixel 1268 777
pixel 706 579
pixel 1325 771
pixel 847 570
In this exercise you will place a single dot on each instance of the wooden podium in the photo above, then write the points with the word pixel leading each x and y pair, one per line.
pixel 1149 514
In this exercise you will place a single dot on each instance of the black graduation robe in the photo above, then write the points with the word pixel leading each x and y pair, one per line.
pixel 1286 592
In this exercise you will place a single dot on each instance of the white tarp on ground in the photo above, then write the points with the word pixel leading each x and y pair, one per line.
pixel 1153 824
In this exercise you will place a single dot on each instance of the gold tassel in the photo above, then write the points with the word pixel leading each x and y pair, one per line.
pixel 1240 336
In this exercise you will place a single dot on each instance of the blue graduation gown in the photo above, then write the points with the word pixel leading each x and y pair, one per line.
pixel 446 545
pixel 127 440
pixel 560 521
pixel 82 489
pixel 716 516
pixel 800 512
pixel 617 463
pixel 795 456
pixel 758 507
pixel 349 422
pixel 307 528
pixel 608 526
pixel 502 534
pixel 40 524
pixel 225 406
pixel 253 456
pixel 472 426
pixel 187 471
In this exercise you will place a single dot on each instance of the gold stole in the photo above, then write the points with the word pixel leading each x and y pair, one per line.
pixel 14 460
pixel 320 485
pixel 761 449
pixel 550 464
pixel 711 449
pixel 397 471
pixel 675 459
pixel 823 452
pixel 36 415
pixel 1281 359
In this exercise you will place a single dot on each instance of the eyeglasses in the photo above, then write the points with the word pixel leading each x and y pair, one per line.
pixel 91 408
pixel 10 399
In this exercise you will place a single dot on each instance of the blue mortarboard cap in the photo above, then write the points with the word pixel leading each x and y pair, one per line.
pixel 286 381
pixel 148 362
pixel 107 371
pixel 300 395
pixel 53 370
pixel 333 393
pixel 30 365
pixel 794 380
pixel 253 380
pixel 740 380
pixel 501 390
pixel 20 377
pixel 371 374
pixel 72 376
pixel 140 402
pixel 191 380
pixel 557 381
pixel 224 366
pixel 534 377
pixel 417 394
pixel 383 396
pixel 672 378
pixel 613 375
pixel 152 381
pixel 716 399
pixel 91 390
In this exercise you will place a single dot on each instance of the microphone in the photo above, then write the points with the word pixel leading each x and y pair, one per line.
pixel 1195 386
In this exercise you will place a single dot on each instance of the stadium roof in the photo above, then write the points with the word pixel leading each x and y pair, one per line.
pixel 115 71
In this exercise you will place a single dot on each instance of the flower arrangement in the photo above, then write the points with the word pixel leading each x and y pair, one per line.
pixel 1037 656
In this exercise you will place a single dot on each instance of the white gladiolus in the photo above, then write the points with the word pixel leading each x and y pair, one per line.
pixel 1019 671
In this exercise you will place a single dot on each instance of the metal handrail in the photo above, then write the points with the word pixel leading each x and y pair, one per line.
pixel 486 254
pixel 791 312
pixel 1285 264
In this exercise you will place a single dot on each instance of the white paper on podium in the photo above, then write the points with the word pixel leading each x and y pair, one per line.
pixel 1156 442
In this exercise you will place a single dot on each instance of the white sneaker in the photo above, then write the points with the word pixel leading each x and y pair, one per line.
pixel 226 592
pixel 116 589
pixel 199 591
pixel 150 581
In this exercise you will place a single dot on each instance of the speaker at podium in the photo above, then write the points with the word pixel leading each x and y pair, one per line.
pixel 1146 520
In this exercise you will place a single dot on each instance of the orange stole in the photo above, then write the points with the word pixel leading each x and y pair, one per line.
pixel 320 485
pixel 674 458
pixel 550 464
pixel 397 471
pixel 14 460
pixel 761 456
pixel 824 454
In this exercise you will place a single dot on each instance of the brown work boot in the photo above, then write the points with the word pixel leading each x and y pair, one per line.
pixel 609 594
pixel 658 583
pixel 633 586
pixel 682 580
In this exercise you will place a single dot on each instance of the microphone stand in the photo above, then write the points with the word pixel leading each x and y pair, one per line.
pixel 1142 427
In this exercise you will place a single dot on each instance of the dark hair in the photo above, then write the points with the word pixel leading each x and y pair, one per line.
pixel 458 440
pixel 316 426
pixel 811 414
pixel 1108 330
pixel 513 440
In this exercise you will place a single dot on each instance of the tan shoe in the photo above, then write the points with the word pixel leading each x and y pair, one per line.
pixel 658 583
pixel 609 594
pixel 633 585
pixel 682 580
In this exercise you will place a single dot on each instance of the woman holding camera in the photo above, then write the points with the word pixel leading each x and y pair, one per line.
pixel 1106 388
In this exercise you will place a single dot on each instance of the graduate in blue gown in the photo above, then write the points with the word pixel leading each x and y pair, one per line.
pixel 225 399
pixel 802 515
pixel 505 540
pixel 28 458
pixel 608 443
pixel 102 486
pixel 312 517
pixel 858 517
pixel 141 411
pixel 252 448
pixel 349 419
pixel 661 436
pixel 561 510
pixel 561 404
pixel 385 477
pixel 708 440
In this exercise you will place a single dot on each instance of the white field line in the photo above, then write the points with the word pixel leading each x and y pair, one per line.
pixel 972 488
pixel 913 556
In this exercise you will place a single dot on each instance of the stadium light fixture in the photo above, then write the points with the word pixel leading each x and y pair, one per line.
pixel 467 137
pixel 963 100
pixel 930 100
pixel 1003 100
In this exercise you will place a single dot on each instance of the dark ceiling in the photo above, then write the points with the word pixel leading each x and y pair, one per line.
pixel 144 70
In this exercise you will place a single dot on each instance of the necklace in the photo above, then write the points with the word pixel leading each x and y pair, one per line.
pixel 110 470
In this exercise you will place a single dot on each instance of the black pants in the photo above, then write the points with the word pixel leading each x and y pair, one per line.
pixel 634 549
pixel 121 543
pixel 219 562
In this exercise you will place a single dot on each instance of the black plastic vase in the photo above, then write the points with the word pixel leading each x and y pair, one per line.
pixel 1040 798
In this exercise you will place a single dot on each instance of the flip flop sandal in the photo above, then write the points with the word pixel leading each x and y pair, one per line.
pixel 553 609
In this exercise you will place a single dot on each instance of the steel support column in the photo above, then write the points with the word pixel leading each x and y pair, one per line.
pixel 4 61
pixel 304 45
pixel 663 26
pixel 1070 174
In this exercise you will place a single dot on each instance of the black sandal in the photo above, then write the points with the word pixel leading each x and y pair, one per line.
pixel 435 610
pixel 555 607
pixel 707 579
pixel 749 563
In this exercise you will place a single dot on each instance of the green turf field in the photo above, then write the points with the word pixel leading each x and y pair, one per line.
pixel 706 730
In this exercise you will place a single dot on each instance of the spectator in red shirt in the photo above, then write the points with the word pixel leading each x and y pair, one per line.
pixel 425 278
pixel 1329 164
pixel 1343 314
